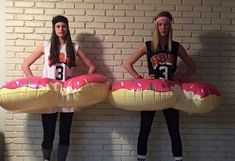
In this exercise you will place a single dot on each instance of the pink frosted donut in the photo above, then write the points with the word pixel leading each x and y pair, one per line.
pixel 84 90
pixel 197 97
pixel 32 94
pixel 37 94
pixel 142 94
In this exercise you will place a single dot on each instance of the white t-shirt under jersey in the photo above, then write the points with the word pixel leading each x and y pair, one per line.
pixel 59 71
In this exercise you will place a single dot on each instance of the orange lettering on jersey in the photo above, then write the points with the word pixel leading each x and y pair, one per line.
pixel 162 58
pixel 170 59
pixel 154 61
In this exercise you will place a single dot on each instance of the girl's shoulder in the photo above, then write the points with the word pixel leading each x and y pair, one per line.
pixel 76 45
pixel 148 42
pixel 176 44
pixel 46 43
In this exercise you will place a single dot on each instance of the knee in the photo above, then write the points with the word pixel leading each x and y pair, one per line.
pixel 64 141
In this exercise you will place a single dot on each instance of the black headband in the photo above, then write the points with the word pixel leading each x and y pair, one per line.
pixel 60 18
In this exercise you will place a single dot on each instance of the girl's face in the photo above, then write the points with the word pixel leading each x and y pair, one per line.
pixel 163 27
pixel 61 30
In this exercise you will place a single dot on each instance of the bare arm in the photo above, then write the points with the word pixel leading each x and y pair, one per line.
pixel 128 65
pixel 87 61
pixel 191 67
pixel 37 53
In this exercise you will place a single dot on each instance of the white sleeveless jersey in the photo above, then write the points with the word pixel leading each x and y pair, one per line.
pixel 59 71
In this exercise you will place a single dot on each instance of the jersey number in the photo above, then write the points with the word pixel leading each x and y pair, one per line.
pixel 164 71
pixel 59 72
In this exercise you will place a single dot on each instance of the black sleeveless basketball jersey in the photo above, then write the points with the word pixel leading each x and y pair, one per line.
pixel 162 63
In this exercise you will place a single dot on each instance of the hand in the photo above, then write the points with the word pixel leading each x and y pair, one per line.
pixel 151 76
pixel 178 77
pixel 179 81
pixel 139 77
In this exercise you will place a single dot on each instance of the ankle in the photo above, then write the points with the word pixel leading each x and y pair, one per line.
pixel 46 154
pixel 62 152
pixel 141 158
pixel 178 158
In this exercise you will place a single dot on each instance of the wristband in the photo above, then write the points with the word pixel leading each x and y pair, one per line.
pixel 139 77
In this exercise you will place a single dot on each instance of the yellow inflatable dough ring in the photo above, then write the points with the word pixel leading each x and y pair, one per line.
pixel 197 97
pixel 33 94
pixel 84 90
pixel 156 94
pixel 142 94
pixel 36 94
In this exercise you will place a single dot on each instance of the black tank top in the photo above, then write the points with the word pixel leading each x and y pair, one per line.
pixel 162 63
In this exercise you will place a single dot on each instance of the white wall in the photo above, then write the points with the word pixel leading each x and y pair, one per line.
pixel 2 54
pixel 109 31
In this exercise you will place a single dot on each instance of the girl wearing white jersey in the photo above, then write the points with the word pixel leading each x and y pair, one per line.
pixel 60 60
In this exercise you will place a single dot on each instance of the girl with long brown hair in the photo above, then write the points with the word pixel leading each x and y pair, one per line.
pixel 59 62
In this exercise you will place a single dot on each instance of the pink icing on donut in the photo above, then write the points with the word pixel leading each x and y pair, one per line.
pixel 144 84
pixel 82 80
pixel 201 89
pixel 32 82
pixel 38 82
pixel 29 94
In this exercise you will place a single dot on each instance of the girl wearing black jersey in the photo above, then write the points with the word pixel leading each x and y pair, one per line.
pixel 162 53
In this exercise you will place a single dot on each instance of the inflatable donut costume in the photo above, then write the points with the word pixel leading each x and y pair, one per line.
pixel 84 90
pixel 142 94
pixel 37 94
pixel 29 94
pixel 156 94
pixel 197 97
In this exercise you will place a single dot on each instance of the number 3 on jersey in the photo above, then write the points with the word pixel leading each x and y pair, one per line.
pixel 59 73
pixel 164 71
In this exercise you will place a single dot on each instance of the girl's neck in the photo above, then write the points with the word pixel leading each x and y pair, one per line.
pixel 163 42
pixel 62 42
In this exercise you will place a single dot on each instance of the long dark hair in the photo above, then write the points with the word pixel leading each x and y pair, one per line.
pixel 55 49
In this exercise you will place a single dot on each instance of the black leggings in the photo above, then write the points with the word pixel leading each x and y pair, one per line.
pixel 49 126
pixel 172 120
